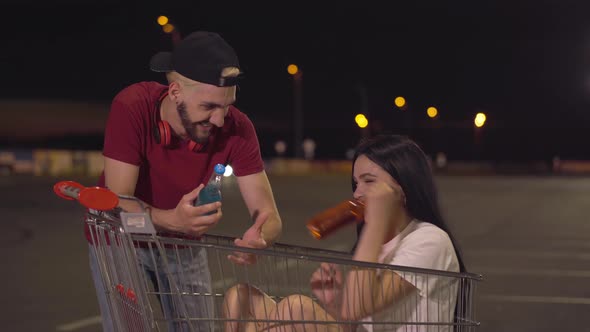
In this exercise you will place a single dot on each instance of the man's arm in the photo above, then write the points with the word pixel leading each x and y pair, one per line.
pixel 121 178
pixel 258 196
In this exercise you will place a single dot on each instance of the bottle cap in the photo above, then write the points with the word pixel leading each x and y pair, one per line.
pixel 219 169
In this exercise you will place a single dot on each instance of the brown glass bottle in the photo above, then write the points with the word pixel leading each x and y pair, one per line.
pixel 332 219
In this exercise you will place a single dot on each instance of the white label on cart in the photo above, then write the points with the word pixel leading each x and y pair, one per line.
pixel 137 223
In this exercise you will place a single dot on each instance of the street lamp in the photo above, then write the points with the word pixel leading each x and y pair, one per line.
pixel 169 28
pixel 363 123
pixel 364 99
pixel 402 105
pixel 400 102
pixel 479 121
pixel 361 120
pixel 432 112
pixel 294 71
pixel 162 20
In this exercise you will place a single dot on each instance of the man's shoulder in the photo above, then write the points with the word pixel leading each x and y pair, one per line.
pixel 238 116
pixel 237 121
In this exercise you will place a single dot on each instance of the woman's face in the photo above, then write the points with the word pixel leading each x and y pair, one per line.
pixel 367 174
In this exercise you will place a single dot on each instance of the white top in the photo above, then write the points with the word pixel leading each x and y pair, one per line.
pixel 422 245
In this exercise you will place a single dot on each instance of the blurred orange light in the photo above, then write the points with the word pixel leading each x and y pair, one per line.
pixel 400 101
pixel 480 119
pixel 162 20
pixel 361 120
pixel 432 111
pixel 168 28
pixel 292 69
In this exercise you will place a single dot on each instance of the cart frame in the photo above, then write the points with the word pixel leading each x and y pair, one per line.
pixel 123 243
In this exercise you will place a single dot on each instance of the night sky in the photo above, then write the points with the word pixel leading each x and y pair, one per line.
pixel 526 64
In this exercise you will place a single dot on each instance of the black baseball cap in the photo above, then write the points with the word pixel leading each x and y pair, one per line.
pixel 200 56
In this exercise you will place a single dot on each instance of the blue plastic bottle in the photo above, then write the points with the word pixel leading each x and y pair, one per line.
pixel 212 190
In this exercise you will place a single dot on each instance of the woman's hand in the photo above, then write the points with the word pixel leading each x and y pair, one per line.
pixel 384 213
pixel 326 284
pixel 383 202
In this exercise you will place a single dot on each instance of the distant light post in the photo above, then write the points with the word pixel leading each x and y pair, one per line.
pixel 169 28
pixel 294 71
pixel 363 123
pixel 479 121
pixel 364 99
pixel 432 113
pixel 401 103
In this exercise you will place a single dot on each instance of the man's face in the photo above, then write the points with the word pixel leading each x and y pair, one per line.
pixel 203 107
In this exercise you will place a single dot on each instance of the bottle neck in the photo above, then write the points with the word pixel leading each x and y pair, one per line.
pixel 215 178
pixel 358 209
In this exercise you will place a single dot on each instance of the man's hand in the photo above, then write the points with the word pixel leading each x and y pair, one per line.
pixel 191 219
pixel 252 238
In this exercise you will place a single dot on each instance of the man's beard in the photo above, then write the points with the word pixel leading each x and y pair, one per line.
pixel 188 126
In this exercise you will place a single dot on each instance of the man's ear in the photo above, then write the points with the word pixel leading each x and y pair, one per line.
pixel 174 91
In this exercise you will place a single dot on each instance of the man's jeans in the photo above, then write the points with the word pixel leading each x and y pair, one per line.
pixel 190 274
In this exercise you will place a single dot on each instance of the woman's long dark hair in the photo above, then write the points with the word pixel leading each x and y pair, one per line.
pixel 405 161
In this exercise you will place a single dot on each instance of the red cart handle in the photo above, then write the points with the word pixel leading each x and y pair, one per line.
pixel 96 198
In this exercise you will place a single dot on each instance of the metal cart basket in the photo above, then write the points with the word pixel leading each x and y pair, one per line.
pixel 194 297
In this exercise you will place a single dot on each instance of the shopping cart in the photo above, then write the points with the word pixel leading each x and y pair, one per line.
pixel 195 297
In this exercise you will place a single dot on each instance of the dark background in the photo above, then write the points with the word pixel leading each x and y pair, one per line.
pixel 525 64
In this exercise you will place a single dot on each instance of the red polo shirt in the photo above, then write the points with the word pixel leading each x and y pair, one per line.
pixel 168 173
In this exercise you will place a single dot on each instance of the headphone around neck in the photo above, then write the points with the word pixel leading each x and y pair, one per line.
pixel 163 133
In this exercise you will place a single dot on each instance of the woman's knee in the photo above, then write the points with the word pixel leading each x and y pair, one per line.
pixel 247 299
pixel 238 291
pixel 296 307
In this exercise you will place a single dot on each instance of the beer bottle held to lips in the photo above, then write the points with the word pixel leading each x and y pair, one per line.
pixel 328 221
pixel 211 192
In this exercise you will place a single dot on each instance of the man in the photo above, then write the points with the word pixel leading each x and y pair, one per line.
pixel 161 145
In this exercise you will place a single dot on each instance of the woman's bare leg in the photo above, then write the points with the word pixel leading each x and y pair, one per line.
pixel 243 301
pixel 300 307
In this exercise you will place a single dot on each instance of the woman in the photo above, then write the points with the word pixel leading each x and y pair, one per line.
pixel 403 226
